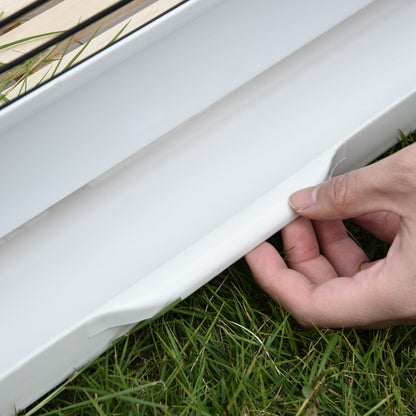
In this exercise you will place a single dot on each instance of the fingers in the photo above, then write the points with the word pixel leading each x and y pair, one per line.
pixel 330 255
pixel 340 302
pixel 346 257
pixel 302 251
pixel 388 185
pixel 275 278
pixel 381 198
pixel 343 302
pixel 383 225
pixel 321 251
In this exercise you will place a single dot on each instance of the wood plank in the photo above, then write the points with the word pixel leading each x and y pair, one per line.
pixel 63 16
pixel 8 7
pixel 59 18
pixel 130 24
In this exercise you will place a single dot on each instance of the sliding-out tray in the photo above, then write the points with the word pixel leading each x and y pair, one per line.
pixel 131 180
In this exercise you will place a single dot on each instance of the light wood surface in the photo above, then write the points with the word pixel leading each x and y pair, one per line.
pixel 55 19
pixel 8 7
pixel 64 15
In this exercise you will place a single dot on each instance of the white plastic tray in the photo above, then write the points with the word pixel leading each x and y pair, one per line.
pixel 161 223
pixel 68 132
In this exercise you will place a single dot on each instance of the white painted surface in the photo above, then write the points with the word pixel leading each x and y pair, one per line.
pixel 73 129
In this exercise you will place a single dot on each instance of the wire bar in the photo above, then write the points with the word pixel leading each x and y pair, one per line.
pixel 64 35
pixel 23 11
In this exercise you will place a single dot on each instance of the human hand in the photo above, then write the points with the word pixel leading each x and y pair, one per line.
pixel 328 280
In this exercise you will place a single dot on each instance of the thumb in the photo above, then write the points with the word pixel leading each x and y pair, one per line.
pixel 388 185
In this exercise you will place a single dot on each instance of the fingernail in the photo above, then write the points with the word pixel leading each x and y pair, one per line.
pixel 303 199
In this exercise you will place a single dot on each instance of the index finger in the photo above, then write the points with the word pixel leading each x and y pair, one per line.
pixel 337 302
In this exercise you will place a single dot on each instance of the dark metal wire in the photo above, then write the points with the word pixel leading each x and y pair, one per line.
pixel 64 35
pixel 2 106
pixel 30 7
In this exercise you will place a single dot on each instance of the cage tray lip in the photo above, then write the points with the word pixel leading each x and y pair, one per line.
pixel 97 321
pixel 318 170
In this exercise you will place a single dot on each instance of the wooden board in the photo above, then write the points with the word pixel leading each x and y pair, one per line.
pixel 8 7
pixel 62 16
pixel 55 19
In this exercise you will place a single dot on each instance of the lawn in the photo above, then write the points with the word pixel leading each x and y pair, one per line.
pixel 230 350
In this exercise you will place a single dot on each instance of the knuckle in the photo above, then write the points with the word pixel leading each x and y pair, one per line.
pixel 403 174
pixel 340 190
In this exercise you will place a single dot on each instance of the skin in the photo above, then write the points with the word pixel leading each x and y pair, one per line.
pixel 327 280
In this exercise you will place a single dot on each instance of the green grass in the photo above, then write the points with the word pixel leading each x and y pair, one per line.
pixel 230 350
